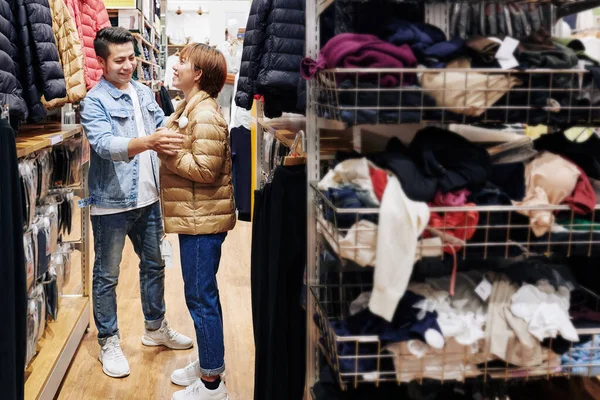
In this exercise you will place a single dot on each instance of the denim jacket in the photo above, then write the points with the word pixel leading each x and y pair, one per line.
pixel 108 120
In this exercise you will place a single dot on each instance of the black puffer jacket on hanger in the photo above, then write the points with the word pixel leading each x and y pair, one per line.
pixel 41 72
pixel 273 49
pixel 10 88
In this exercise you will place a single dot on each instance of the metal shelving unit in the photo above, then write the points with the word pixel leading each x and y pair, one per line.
pixel 62 337
pixel 324 112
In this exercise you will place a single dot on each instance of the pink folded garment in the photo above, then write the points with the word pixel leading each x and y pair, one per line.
pixel 451 199
pixel 354 50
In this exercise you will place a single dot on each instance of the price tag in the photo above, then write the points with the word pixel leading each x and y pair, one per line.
pixel 166 251
pixel 56 139
pixel 484 289
pixel 505 54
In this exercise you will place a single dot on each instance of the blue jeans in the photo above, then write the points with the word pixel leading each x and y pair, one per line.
pixel 144 228
pixel 200 257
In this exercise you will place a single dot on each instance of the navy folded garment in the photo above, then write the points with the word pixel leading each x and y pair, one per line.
pixel 363 106
pixel 510 179
pixel 348 198
pixel 408 323
pixel 452 160
pixel 428 42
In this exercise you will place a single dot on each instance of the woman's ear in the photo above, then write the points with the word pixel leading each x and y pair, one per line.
pixel 198 76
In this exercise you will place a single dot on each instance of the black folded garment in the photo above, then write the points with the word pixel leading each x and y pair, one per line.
pixel 586 154
pixel 452 160
pixel 363 106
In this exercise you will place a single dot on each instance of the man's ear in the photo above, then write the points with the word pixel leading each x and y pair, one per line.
pixel 101 61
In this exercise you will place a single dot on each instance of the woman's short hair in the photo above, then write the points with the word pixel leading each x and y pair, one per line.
pixel 212 64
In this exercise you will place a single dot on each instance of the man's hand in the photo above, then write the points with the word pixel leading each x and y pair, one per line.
pixel 163 141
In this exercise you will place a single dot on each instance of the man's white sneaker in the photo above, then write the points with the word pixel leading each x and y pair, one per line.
pixel 165 336
pixel 114 363
pixel 188 375
pixel 197 391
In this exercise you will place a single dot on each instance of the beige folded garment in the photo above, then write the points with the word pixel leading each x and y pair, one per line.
pixel 468 92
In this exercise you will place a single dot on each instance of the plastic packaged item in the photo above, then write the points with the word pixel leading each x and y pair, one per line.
pixel 29 266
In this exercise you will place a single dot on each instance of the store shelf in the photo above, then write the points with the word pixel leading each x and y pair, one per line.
pixel 146 62
pixel 362 359
pixel 57 348
pixel 145 42
pixel 32 138
pixel 352 96
pixel 285 130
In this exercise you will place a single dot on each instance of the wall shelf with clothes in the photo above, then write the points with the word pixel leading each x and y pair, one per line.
pixel 445 220
pixel 53 163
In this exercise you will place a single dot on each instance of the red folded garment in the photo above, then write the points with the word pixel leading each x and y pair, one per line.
pixel 460 224
pixel 379 180
pixel 583 199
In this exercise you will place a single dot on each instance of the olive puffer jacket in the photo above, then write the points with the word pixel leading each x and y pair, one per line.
pixel 196 184
pixel 90 16
pixel 11 92
pixel 41 72
pixel 71 54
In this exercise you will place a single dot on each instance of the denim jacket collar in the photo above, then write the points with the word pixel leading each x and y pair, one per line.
pixel 114 91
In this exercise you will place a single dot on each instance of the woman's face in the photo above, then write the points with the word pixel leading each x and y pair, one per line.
pixel 185 77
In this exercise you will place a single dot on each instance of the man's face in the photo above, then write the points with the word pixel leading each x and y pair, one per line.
pixel 120 64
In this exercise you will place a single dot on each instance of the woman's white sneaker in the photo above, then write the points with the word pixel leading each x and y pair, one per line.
pixel 197 391
pixel 188 375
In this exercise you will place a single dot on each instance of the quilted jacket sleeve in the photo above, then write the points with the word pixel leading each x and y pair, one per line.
pixel 254 40
pixel 10 88
pixel 71 54
pixel 47 63
pixel 201 161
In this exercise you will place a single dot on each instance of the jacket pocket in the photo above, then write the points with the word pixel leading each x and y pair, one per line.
pixel 122 122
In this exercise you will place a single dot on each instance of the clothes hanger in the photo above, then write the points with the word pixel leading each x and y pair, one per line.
pixel 294 158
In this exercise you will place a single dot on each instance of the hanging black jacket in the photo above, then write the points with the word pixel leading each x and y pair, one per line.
pixel 273 49
pixel 41 72
pixel 10 88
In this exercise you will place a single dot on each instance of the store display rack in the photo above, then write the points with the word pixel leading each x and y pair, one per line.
pixel 363 101
pixel 63 336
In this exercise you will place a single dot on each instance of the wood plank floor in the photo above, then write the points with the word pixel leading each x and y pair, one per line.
pixel 151 367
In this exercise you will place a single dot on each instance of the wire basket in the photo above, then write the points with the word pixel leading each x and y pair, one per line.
pixel 465 96
pixel 358 360
pixel 461 233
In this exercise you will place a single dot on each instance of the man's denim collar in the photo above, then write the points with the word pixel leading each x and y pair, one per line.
pixel 112 89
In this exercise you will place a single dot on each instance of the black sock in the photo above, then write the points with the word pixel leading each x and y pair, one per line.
pixel 212 385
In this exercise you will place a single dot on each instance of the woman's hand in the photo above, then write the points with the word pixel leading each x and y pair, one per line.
pixel 165 141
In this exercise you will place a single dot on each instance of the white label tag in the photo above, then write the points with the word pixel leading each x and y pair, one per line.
pixel 56 139
pixel 484 289
pixel 507 48
pixel 508 64
pixel 505 54
pixel 167 253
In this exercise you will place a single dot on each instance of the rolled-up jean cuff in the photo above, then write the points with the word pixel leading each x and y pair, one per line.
pixel 154 325
pixel 212 372
pixel 102 341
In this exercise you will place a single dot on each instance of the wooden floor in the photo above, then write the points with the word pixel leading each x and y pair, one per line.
pixel 151 367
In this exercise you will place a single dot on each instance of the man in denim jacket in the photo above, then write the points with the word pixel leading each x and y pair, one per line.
pixel 123 124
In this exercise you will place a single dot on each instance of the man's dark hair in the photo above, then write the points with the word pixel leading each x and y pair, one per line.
pixel 110 35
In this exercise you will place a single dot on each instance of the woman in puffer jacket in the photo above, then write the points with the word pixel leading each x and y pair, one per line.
pixel 197 201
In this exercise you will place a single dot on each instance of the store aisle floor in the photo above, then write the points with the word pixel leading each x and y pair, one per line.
pixel 151 367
